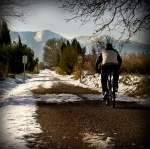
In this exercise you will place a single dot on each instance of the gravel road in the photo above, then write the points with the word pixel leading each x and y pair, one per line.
pixel 65 124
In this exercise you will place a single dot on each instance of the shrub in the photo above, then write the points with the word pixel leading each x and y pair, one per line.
pixel 76 72
pixel 135 63
pixel 89 66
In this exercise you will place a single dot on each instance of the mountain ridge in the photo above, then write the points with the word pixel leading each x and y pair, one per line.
pixel 35 39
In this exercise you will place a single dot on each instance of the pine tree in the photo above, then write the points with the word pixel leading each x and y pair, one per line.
pixel 19 42
pixel 69 55
pixel 5 36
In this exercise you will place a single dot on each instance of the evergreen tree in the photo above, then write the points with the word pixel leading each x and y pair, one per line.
pixel 69 55
pixel 5 36
pixel 78 47
pixel 15 58
pixel 5 42
pixel 68 59
pixel 63 46
pixel 4 59
pixel 11 54
pixel 19 41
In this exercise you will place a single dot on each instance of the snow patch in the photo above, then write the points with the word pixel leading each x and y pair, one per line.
pixel 38 36
pixel 59 98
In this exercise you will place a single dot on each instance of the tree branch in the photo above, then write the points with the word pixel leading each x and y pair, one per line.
pixel 128 16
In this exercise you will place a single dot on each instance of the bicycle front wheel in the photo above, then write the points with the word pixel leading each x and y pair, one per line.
pixel 111 96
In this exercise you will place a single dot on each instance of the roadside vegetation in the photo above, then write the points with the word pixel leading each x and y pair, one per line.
pixel 11 53
pixel 136 64
pixel 62 55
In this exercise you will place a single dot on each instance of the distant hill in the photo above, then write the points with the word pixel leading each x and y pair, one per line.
pixel 136 47
pixel 36 41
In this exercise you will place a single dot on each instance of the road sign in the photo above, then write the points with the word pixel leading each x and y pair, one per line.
pixel 24 59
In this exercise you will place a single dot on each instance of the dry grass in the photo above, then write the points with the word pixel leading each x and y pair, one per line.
pixel 60 87
pixel 58 70
pixel 76 72
pixel 90 66
pixel 135 63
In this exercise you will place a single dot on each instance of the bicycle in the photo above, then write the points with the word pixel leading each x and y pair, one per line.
pixel 111 89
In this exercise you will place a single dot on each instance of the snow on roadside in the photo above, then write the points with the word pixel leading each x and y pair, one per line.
pixel 18 112
pixel 17 116
pixel 17 121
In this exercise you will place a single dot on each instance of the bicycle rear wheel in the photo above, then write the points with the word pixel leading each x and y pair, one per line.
pixel 113 97
pixel 108 96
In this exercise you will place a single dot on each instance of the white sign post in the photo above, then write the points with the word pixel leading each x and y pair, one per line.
pixel 24 61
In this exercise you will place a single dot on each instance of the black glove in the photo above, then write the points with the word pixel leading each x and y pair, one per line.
pixel 98 70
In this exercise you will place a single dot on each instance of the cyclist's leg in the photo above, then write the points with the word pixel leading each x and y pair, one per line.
pixel 104 77
pixel 116 77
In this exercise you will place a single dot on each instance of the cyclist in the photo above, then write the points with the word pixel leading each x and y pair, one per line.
pixel 109 58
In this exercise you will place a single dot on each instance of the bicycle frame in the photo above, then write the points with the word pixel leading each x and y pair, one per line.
pixel 111 90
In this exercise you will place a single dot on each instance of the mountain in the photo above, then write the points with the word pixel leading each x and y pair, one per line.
pixel 131 47
pixel 35 40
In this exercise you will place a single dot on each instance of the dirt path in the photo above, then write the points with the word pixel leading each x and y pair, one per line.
pixel 64 125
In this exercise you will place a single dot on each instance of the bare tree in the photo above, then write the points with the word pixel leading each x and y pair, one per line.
pixel 15 9
pixel 126 16
pixel 52 51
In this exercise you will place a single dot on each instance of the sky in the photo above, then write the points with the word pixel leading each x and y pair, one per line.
pixel 51 17
pixel 48 16
pixel 18 122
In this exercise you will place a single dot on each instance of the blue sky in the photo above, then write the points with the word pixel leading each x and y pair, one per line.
pixel 48 16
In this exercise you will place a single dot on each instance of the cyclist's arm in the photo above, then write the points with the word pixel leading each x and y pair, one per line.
pixel 99 60
pixel 119 59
